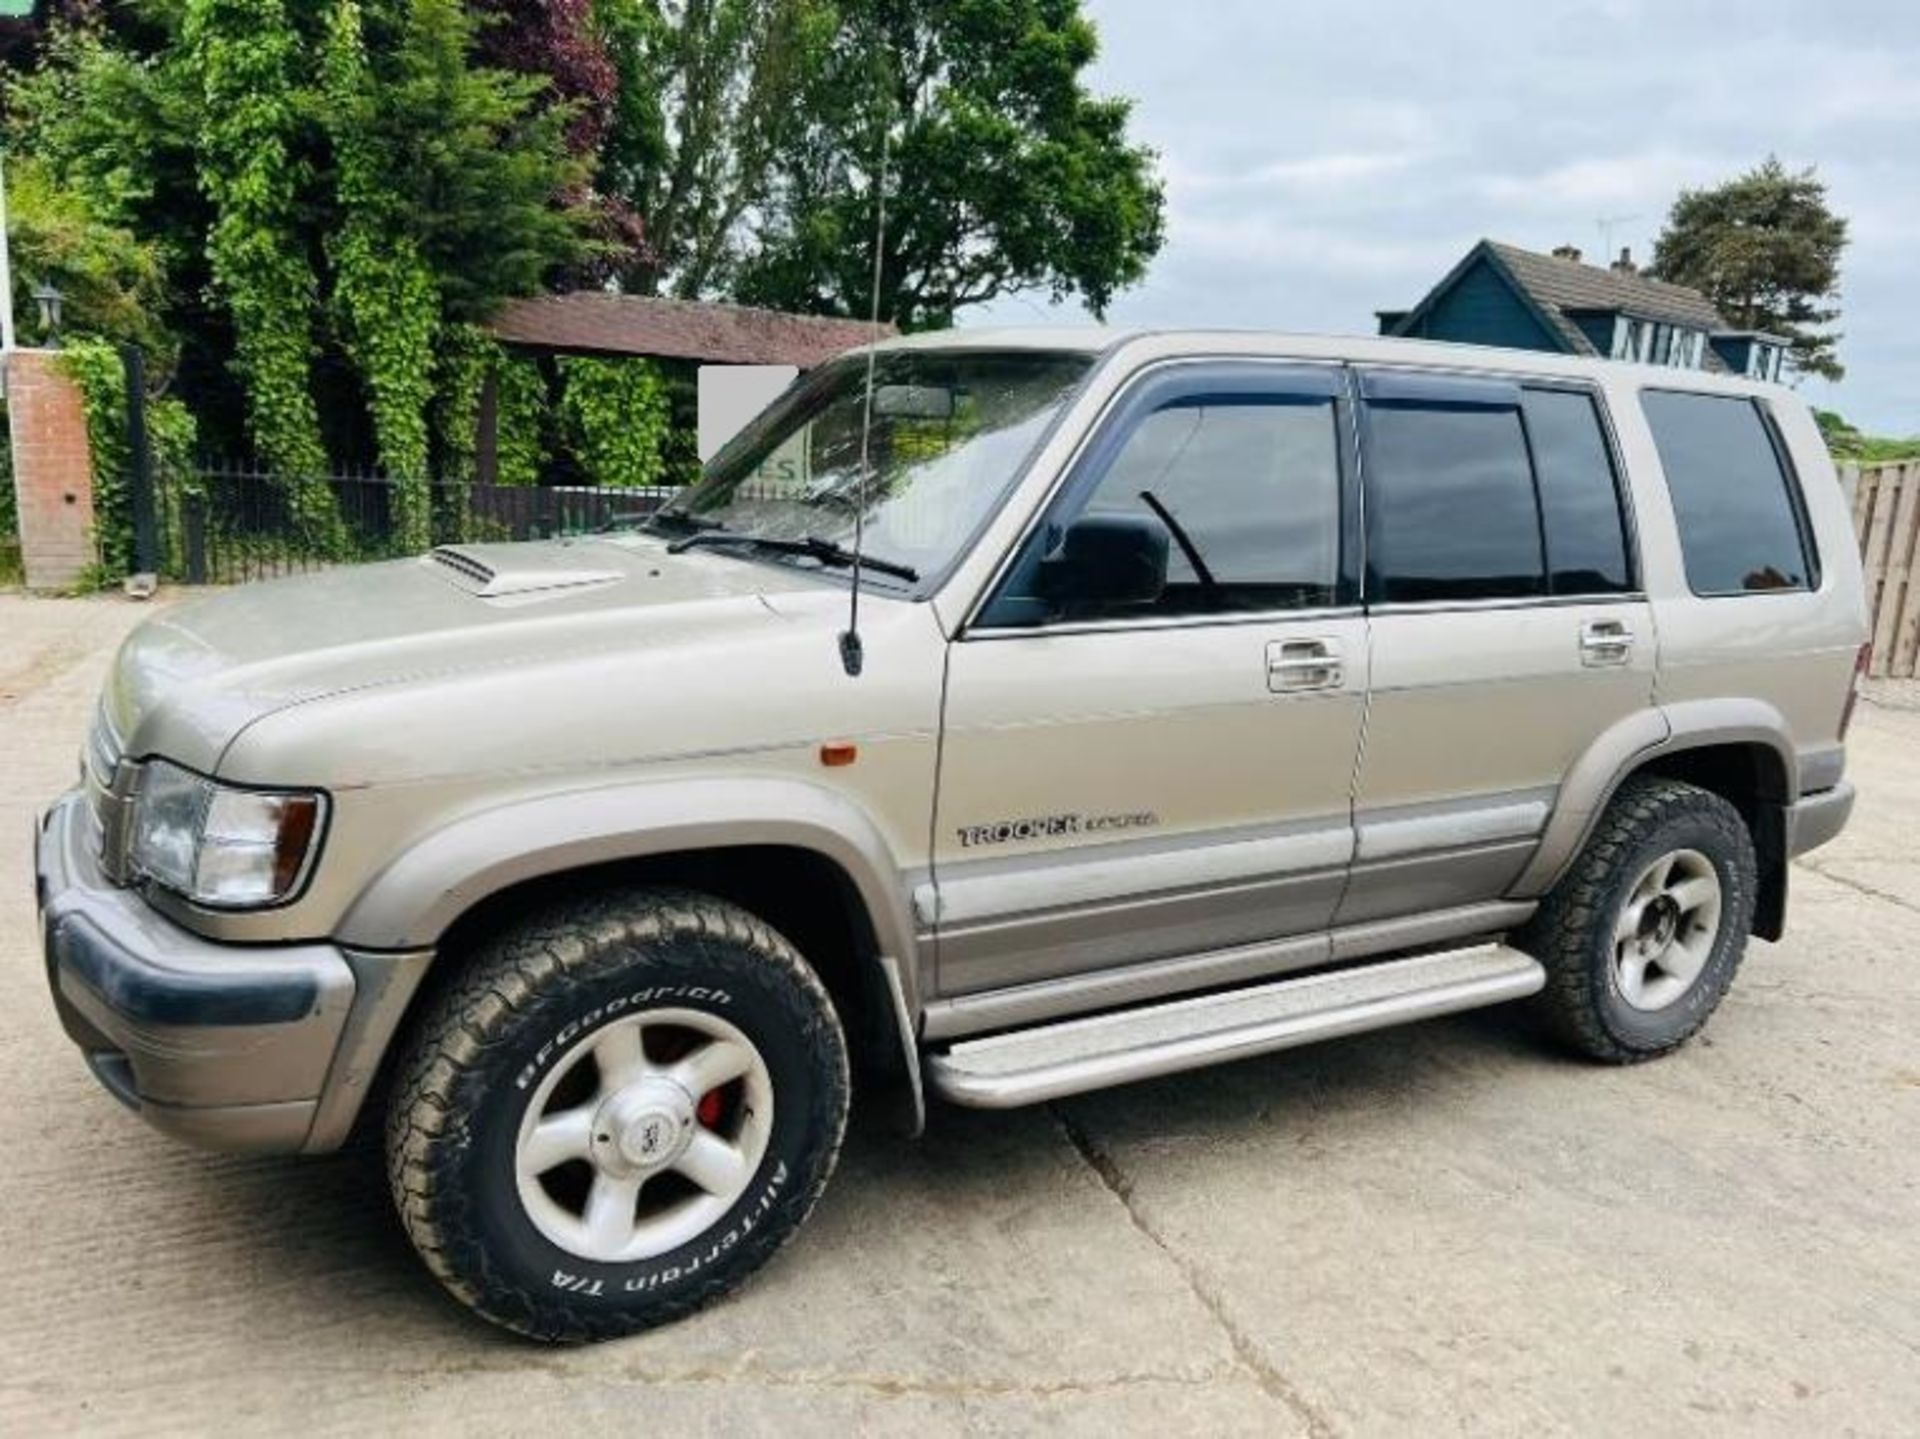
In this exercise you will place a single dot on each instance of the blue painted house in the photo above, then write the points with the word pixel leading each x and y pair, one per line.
pixel 1503 295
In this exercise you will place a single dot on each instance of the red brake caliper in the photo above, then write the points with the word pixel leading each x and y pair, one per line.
pixel 707 1111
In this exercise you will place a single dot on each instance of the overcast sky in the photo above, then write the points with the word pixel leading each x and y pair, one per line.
pixel 1324 161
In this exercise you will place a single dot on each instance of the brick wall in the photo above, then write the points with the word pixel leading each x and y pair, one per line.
pixel 52 470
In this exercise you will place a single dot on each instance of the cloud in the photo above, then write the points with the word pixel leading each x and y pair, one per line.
pixel 1309 172
pixel 1322 165
pixel 1647 178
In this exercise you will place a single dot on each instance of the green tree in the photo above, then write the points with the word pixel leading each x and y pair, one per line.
pixel 1006 176
pixel 475 163
pixel 1846 442
pixel 243 53
pixel 317 182
pixel 747 135
pixel 383 292
pixel 113 281
pixel 1765 248
pixel 444 177
pixel 617 415
pixel 709 92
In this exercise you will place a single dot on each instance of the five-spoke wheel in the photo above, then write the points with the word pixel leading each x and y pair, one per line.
pixel 643 1134
pixel 621 1108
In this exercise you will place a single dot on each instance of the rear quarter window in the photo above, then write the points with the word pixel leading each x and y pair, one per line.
pixel 1742 528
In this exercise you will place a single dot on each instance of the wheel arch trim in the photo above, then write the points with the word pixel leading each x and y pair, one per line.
pixel 1632 743
pixel 417 898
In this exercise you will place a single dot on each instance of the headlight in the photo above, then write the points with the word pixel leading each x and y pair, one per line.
pixel 229 848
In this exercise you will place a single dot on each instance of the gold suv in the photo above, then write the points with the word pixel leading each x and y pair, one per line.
pixel 1013 715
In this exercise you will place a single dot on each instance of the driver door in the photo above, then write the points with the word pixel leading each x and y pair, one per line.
pixel 1131 777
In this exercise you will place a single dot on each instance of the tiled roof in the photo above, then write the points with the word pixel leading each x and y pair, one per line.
pixel 1563 287
pixel 592 322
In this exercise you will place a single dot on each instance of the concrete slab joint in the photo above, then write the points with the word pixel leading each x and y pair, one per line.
pixel 52 470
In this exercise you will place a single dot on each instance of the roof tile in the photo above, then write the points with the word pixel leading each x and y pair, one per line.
pixel 1569 286
pixel 593 322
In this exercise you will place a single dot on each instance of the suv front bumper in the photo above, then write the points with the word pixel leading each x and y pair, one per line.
pixel 267 1049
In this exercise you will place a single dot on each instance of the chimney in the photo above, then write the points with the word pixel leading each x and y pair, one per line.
pixel 1567 252
pixel 1624 265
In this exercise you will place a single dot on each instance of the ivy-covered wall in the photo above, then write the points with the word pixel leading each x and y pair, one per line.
pixel 96 367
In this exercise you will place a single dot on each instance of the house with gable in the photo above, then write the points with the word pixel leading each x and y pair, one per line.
pixel 1502 295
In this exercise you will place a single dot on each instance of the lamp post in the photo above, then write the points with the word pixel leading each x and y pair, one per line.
pixel 49 298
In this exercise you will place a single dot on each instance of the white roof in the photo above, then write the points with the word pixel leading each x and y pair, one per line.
pixel 1359 349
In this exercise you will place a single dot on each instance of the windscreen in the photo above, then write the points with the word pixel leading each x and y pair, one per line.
pixel 950 432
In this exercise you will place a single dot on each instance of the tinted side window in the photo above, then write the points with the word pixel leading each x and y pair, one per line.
pixel 1253 488
pixel 1579 495
pixel 1451 513
pixel 1739 525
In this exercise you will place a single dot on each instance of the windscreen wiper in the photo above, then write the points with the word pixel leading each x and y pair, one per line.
pixel 1182 539
pixel 679 520
pixel 813 547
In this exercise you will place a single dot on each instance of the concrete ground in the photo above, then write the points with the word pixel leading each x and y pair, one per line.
pixel 1438 1229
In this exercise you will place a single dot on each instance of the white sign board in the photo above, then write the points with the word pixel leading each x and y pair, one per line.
pixel 731 395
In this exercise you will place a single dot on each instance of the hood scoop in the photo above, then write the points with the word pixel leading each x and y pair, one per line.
pixel 498 572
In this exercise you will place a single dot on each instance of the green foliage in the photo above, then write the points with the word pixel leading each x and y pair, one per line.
pixel 1765 248
pixel 96 368
pixel 710 92
pixel 747 134
pixel 323 201
pixel 522 397
pixel 466 357
pixel 112 282
pixel 119 131
pixel 315 180
pixel 618 416
pixel 469 163
pixel 383 294
pixel 243 54
pixel 9 507
pixel 635 151
pixel 1845 442
pixel 1006 174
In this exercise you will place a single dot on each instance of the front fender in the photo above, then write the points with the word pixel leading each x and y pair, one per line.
pixel 414 900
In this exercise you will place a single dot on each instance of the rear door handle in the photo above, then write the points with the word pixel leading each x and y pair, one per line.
pixel 1605 642
pixel 1304 665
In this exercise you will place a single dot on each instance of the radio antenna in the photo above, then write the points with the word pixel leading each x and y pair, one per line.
pixel 852 653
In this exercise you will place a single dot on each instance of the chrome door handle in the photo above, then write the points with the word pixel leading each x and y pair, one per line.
pixel 1605 642
pixel 1304 665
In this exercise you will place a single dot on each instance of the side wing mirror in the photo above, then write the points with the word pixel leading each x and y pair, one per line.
pixel 1104 562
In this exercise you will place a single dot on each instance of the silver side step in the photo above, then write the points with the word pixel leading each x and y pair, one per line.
pixel 1033 1065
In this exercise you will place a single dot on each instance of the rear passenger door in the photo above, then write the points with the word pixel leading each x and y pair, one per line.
pixel 1508 628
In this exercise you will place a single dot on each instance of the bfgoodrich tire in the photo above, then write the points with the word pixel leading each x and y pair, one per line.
pixel 619 1112
pixel 1642 936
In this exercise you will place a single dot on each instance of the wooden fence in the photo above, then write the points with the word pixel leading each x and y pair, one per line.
pixel 1886 513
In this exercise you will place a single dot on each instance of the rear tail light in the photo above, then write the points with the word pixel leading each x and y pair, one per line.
pixel 1860 667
